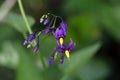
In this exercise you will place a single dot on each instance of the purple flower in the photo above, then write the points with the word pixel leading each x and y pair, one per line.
pixel 46 21
pixel 30 38
pixel 47 29
pixel 61 59
pixel 60 34
pixel 63 25
pixel 36 47
pixel 51 59
pixel 66 49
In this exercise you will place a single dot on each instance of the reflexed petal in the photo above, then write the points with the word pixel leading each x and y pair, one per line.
pixel 71 48
pixel 71 45
pixel 63 26
pixel 56 33
pixel 59 33
pixel 60 50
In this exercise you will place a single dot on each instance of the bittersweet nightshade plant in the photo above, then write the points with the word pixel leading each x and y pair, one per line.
pixel 66 49
pixel 59 33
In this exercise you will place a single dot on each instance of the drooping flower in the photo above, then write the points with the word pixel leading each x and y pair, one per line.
pixel 60 32
pixel 47 29
pixel 58 26
pixel 66 49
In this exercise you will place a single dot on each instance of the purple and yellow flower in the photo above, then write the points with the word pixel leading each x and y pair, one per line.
pixel 59 28
pixel 60 32
pixel 66 49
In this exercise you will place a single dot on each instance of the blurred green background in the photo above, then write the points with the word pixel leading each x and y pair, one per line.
pixel 93 24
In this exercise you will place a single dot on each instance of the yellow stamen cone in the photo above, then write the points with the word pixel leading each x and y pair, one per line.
pixel 61 41
pixel 67 53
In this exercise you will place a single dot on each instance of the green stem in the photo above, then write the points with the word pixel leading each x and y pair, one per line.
pixel 30 31
pixel 24 16
pixel 44 66
pixel 54 21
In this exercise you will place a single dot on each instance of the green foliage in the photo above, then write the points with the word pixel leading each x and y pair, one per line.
pixel 27 69
pixel 83 29
pixel 95 69
pixel 8 56
pixel 15 20
pixel 85 19
pixel 79 58
pixel 110 17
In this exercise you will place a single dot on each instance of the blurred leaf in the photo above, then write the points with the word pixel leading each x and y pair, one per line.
pixel 110 17
pixel 7 33
pixel 95 69
pixel 15 20
pixel 27 69
pixel 79 58
pixel 83 29
pixel 47 45
pixel 76 6
pixel 9 56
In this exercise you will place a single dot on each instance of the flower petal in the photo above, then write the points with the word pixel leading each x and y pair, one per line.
pixel 47 30
pixel 46 21
pixel 63 26
pixel 36 47
pixel 61 59
pixel 60 50
pixel 71 45
pixel 51 59
pixel 32 36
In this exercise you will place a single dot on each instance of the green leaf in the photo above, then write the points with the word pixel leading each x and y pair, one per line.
pixel 110 17
pixel 27 69
pixel 9 57
pixel 79 58
pixel 76 6
pixel 15 20
pixel 83 29
pixel 7 33
pixel 95 69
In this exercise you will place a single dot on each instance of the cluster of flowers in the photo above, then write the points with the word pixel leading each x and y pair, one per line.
pixel 59 32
